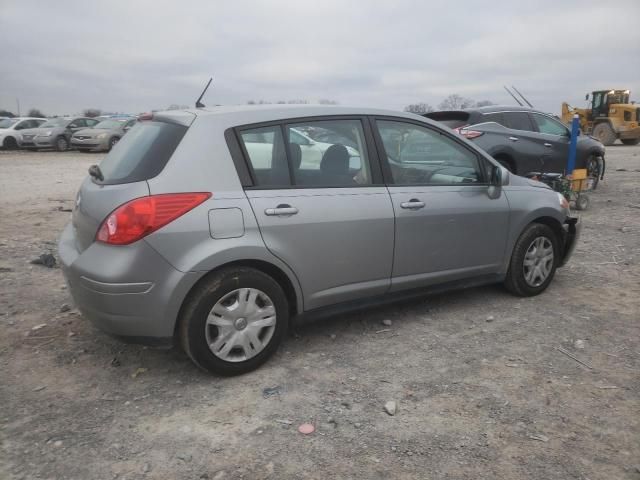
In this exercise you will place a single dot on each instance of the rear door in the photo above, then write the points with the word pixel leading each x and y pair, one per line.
pixel 448 226
pixel 329 219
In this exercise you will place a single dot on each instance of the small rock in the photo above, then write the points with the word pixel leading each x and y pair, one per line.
pixel 39 327
pixel 390 407
pixel 621 169
pixel 332 336
pixel 579 344
pixel 386 322
pixel 540 438
pixel 57 443
pixel 146 468
pixel 624 229
pixel 39 389
pixel 72 334
pixel 184 457
pixel 115 362
pixel 138 371
pixel 490 318
pixel 220 475
pixel 357 425
pixel 45 259
pixel 271 391
pixel 65 308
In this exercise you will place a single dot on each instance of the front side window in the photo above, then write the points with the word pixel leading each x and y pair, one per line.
pixel 518 121
pixel 90 122
pixel 549 125
pixel 333 162
pixel 420 156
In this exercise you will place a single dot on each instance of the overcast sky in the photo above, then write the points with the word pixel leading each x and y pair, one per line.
pixel 133 56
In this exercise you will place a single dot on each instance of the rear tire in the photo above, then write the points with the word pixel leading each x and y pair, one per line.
pixel 213 319
pixel 630 141
pixel 604 133
pixel 522 279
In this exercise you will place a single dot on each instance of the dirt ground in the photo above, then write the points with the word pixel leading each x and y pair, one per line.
pixel 482 388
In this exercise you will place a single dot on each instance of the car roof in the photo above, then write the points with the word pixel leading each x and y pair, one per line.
pixel 234 115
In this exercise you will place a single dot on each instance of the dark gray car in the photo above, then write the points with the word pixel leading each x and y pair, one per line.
pixel 214 227
pixel 523 139
pixel 55 133
pixel 103 136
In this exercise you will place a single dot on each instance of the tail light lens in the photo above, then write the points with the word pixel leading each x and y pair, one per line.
pixel 470 134
pixel 138 218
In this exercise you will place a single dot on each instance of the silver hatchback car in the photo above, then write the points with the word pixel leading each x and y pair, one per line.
pixel 217 227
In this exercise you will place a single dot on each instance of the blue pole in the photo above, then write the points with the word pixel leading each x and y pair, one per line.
pixel 573 146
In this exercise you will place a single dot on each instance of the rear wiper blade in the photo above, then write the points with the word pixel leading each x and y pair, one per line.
pixel 95 172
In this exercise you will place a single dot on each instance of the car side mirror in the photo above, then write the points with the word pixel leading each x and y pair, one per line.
pixel 499 176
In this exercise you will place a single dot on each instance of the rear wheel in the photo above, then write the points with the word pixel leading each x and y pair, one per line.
pixel 234 321
pixel 10 143
pixel 533 262
pixel 112 142
pixel 604 133
pixel 631 141
pixel 62 144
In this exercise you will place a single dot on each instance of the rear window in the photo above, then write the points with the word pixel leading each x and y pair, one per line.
pixel 142 153
pixel 450 119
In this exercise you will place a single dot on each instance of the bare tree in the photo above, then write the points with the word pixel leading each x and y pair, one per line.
pixel 92 112
pixel 34 112
pixel 418 108
pixel 326 101
pixel 456 102
pixel 6 113
pixel 484 103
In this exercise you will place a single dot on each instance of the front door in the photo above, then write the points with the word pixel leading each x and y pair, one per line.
pixel 329 219
pixel 448 224
pixel 555 137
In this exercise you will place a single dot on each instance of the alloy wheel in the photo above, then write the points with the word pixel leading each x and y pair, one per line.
pixel 538 261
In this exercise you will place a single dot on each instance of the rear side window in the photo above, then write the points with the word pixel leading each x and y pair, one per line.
pixel 142 153
pixel 518 121
pixel 264 148
pixel 549 125
pixel 493 117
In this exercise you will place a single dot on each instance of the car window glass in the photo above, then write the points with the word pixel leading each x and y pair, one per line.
pixel 421 156
pixel 90 122
pixel 549 125
pixel 341 160
pixel 518 121
pixel 21 125
pixel 493 117
pixel 266 154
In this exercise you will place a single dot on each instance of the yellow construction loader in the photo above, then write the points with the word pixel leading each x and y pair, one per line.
pixel 610 117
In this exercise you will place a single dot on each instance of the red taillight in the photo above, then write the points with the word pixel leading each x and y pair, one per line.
pixel 470 134
pixel 140 217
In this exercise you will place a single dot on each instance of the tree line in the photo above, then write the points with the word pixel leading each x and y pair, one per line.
pixel 452 102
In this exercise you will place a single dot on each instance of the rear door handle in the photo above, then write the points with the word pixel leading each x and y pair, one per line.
pixel 513 139
pixel 548 145
pixel 413 204
pixel 281 210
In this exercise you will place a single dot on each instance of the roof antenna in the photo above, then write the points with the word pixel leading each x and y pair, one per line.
pixel 523 97
pixel 199 104
pixel 514 97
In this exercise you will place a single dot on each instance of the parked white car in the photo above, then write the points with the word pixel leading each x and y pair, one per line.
pixel 10 130
pixel 260 147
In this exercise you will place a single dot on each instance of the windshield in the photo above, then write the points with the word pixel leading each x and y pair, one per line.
pixel 7 122
pixel 109 124
pixel 55 122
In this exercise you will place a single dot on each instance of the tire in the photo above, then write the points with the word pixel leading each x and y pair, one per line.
pixel 112 142
pixel 594 170
pixel 582 202
pixel 10 143
pixel 630 141
pixel 516 281
pixel 62 145
pixel 604 133
pixel 223 290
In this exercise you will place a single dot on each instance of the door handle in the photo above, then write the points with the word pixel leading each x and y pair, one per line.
pixel 413 204
pixel 548 145
pixel 281 210
pixel 513 139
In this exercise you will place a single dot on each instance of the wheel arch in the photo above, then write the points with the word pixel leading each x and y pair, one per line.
pixel 294 297
pixel 506 157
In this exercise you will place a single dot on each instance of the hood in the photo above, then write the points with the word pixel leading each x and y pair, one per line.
pixel 518 181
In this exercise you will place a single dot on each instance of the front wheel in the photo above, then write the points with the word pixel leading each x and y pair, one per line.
pixel 533 262
pixel 62 144
pixel 234 321
pixel 594 170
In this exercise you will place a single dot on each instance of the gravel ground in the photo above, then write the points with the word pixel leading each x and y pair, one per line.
pixel 481 387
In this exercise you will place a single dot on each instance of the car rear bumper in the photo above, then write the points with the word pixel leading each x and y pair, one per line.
pixel 572 228
pixel 126 291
